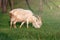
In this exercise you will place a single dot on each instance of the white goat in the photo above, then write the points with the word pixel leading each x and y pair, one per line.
pixel 24 16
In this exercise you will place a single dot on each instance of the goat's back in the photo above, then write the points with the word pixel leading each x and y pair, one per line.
pixel 21 12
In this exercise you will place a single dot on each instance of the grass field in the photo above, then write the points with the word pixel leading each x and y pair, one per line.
pixel 50 30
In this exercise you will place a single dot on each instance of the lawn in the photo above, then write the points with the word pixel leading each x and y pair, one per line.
pixel 50 30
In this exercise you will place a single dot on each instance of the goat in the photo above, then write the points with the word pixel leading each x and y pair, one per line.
pixel 24 16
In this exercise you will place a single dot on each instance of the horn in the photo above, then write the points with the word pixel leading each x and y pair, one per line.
pixel 39 17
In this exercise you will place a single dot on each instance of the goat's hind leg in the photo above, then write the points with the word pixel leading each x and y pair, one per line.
pixel 11 22
pixel 14 24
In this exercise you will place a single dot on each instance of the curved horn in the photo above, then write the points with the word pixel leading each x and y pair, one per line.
pixel 39 17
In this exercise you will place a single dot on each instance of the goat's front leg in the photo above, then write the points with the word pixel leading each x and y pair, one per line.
pixel 27 23
pixel 22 24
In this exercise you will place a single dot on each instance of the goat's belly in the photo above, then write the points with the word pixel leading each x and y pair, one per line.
pixel 20 19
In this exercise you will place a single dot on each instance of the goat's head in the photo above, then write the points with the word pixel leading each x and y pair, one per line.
pixel 38 22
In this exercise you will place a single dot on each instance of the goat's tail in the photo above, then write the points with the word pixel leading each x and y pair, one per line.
pixel 10 15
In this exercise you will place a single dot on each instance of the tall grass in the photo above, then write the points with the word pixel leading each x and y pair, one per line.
pixel 50 29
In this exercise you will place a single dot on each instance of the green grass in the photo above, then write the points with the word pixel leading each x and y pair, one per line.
pixel 50 30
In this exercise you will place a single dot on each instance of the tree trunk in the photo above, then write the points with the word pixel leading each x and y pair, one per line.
pixel 11 4
pixel 0 3
pixel 27 2
pixel 4 4
pixel 41 6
